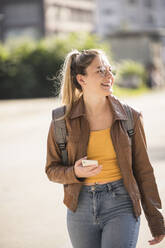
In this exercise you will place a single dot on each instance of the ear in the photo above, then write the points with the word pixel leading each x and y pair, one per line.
pixel 81 79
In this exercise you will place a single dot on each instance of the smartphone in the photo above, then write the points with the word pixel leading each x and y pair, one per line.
pixel 87 162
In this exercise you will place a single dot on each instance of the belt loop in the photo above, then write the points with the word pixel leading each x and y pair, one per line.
pixel 92 188
pixel 109 187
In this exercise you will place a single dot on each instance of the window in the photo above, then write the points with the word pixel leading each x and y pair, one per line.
pixel 81 15
pixel 163 3
pixel 22 19
pixel 133 18
pixel 76 15
pixel 150 20
pixel 148 3
pixel 107 12
pixel 57 12
pixel 132 1
pixel 65 14
pixel 23 13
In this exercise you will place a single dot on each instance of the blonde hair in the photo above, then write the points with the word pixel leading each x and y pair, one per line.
pixel 75 63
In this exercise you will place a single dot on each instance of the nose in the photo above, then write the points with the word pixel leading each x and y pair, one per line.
pixel 108 73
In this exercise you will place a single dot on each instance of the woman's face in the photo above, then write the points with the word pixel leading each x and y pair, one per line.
pixel 99 78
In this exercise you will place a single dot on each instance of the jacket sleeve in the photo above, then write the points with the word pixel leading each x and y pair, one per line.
pixel 55 170
pixel 144 174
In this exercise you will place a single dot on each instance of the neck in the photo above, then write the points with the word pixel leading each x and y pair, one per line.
pixel 95 105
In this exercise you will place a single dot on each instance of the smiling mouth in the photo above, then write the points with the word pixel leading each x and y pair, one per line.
pixel 109 83
pixel 106 85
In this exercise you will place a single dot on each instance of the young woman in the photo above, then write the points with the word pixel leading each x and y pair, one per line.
pixel 103 201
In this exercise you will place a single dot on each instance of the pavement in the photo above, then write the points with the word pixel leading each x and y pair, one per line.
pixel 32 213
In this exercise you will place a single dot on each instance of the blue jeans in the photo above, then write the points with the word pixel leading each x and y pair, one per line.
pixel 104 218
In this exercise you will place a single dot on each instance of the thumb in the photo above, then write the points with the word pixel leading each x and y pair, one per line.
pixel 78 162
pixel 84 157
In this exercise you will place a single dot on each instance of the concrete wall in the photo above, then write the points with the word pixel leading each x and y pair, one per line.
pixel 135 48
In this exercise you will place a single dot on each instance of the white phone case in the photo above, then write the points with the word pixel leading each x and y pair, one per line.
pixel 87 162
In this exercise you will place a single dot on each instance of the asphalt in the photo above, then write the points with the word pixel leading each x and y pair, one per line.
pixel 32 213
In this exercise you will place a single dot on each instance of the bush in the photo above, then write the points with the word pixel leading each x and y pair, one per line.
pixel 130 74
pixel 27 67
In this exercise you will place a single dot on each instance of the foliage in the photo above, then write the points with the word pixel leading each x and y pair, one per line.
pixel 27 68
pixel 128 92
pixel 130 67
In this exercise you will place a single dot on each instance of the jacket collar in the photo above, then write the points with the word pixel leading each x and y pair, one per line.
pixel 78 108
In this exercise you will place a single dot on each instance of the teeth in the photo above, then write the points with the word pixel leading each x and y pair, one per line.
pixel 109 83
pixel 106 84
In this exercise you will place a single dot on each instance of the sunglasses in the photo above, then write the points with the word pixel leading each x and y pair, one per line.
pixel 104 71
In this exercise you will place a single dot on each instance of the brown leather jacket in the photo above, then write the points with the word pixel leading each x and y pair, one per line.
pixel 136 170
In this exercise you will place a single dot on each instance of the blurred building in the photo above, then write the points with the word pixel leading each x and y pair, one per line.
pixel 129 15
pixel 21 18
pixel 37 18
pixel 68 16
pixel 135 30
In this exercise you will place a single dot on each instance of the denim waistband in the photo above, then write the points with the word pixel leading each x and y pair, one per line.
pixel 102 187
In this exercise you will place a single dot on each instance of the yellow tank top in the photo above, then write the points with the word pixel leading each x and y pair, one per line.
pixel 100 148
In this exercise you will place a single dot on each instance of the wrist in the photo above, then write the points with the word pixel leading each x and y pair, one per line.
pixel 75 171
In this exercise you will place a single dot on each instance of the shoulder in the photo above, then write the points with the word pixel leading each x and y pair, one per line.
pixel 58 112
pixel 137 113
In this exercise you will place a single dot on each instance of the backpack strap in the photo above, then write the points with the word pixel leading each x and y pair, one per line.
pixel 60 131
pixel 128 124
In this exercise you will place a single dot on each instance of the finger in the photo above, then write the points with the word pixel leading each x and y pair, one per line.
pixel 156 240
pixel 162 237
pixel 95 168
pixel 159 238
pixel 82 158
pixel 152 242
pixel 92 167
pixel 79 162
pixel 94 172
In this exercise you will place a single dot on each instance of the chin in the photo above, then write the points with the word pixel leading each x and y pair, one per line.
pixel 110 92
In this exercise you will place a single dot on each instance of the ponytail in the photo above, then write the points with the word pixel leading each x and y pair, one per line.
pixel 75 63
pixel 70 93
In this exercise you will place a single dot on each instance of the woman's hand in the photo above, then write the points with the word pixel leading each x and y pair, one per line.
pixel 86 171
pixel 156 240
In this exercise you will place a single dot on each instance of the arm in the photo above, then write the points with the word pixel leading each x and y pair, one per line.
pixel 145 178
pixel 54 169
